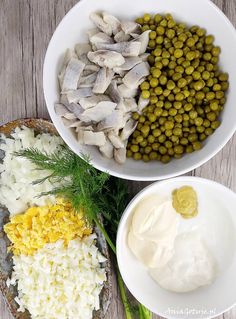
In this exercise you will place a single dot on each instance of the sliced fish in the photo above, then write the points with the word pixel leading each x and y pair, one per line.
pixel 130 62
pixel 107 149
pixel 128 129
pixel 134 77
pixel 121 36
pixel 127 92
pixel 113 92
pixel 120 155
pixel 88 80
pixel 82 50
pixel 127 49
pixel 76 95
pixel 98 112
pixel 72 75
pixel 130 27
pixel 112 21
pixel 143 39
pixel 103 80
pixel 100 23
pixel 93 100
pixel 94 138
pixel 106 58
pixel 100 37
pixel 116 140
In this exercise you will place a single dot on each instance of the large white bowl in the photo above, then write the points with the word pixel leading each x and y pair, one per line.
pixel 217 206
pixel 72 30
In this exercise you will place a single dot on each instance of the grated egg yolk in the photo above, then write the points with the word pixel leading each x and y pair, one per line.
pixel 38 226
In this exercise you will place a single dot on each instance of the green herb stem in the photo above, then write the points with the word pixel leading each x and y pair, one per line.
pixel 109 241
pixel 144 313
pixel 128 312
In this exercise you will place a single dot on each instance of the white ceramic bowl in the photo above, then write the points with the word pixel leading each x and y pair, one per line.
pixel 72 30
pixel 217 206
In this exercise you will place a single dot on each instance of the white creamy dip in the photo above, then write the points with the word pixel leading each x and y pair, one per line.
pixel 177 262
pixel 153 231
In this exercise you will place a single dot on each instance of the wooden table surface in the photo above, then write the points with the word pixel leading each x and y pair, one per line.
pixel 26 27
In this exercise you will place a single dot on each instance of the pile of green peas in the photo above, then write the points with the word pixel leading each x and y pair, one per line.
pixel 185 88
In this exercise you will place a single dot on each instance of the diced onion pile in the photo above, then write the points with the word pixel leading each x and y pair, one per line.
pixel 17 174
pixel 60 282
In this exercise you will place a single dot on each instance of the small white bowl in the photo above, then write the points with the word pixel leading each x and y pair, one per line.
pixel 217 206
pixel 72 30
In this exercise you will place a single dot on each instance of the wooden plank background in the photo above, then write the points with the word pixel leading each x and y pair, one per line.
pixel 26 27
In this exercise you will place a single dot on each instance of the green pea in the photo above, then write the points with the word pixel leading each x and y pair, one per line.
pixel 216 87
pixel 209 39
pixel 145 158
pixel 153 99
pixel 200 95
pixel 192 137
pixel 154 82
pixel 189 149
pixel 197 146
pixel 157 18
pixel 162 138
pixel 156 73
pixel 211 116
pixel 178 118
pixel 165 159
pixel 223 77
pixel 160 30
pixel 147 149
pixel 145 86
pixel 166 92
pixel 198 121
pixel 214 105
pixel 137 156
pixel 182 83
pixel 156 132
pixel 145 129
pixel 163 79
pixel 169 125
pixel 215 125
pixel 145 94
pixel 152 35
pixel 188 107
pixel 170 85
pixel 178 53
pixel 199 85
pixel 220 94
pixel 189 70
pixel 196 75
pixel 190 55
pixel 158 90
pixel 170 33
pixel 177 131
pixel 155 146
pixel 179 149
pixel 206 75
pixel 179 69
pixel 208 131
pixel 184 141
pixel 162 150
pixel 134 148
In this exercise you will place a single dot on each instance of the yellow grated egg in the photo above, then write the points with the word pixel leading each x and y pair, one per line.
pixel 38 226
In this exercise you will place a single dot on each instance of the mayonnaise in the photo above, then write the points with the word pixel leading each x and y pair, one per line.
pixel 153 231
pixel 177 262
pixel 191 266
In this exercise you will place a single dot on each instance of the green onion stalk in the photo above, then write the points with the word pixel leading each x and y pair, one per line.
pixel 96 193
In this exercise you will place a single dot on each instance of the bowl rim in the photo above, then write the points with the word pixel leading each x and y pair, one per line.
pixel 111 171
pixel 128 211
